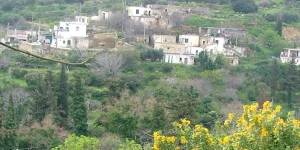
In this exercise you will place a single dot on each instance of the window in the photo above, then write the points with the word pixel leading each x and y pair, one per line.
pixel 186 40
pixel 69 42
pixel 196 52
pixel 217 41
pixel 77 28
pixel 180 59
pixel 64 42
pixel 137 11
pixel 203 42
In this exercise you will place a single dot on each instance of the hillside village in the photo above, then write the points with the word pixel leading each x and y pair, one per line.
pixel 177 49
pixel 181 48
pixel 149 74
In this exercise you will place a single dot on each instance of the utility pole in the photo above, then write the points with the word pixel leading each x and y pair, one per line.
pixel 38 34
pixel 144 34
pixel 31 27
pixel 123 13
pixel 7 30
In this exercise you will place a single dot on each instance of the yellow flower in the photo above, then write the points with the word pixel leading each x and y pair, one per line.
pixel 267 105
pixel 177 148
pixel 235 145
pixel 171 139
pixel 264 132
pixel 183 140
pixel 196 134
pixel 226 124
pixel 197 127
pixel 162 138
pixel 185 122
pixel 230 116
pixel 178 124
pixel 211 141
pixel 226 139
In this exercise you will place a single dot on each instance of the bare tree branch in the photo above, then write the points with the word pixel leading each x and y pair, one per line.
pixel 82 64
pixel 19 96
pixel 108 64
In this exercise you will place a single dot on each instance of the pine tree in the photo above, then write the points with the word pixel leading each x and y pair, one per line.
pixel 10 140
pixel 274 79
pixel 79 112
pixel 62 99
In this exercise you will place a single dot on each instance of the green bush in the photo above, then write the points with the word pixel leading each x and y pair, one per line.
pixel 166 69
pixel 18 72
pixel 150 68
pixel 99 94
pixel 244 6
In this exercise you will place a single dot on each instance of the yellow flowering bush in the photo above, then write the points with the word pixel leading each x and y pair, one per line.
pixel 257 129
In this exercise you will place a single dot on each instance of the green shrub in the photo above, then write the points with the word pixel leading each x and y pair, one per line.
pixel 166 69
pixel 99 94
pixel 150 68
pixel 18 73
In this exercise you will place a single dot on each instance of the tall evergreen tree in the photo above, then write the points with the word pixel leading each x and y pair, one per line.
pixel 10 140
pixel 291 82
pixel 274 78
pixel 2 129
pixel 49 91
pixel 79 112
pixel 62 99
pixel 278 27
pixel 39 104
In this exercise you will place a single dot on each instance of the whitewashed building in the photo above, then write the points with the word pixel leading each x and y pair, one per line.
pixel 189 40
pixel 138 11
pixel 70 35
pixel 289 54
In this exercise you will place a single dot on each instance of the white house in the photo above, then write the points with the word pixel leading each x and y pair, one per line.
pixel 175 53
pixel 210 48
pixel 70 35
pixel 288 54
pixel 189 40
pixel 83 19
pixel 220 41
pixel 138 11
pixel 194 50
pixel 186 59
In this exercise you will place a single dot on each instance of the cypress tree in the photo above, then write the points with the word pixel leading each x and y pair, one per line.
pixel 291 82
pixel 62 99
pixel 278 27
pixel 10 140
pixel 274 78
pixel 39 103
pixel 2 129
pixel 49 92
pixel 79 112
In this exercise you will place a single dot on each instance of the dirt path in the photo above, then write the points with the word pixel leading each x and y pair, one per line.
pixel 38 24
